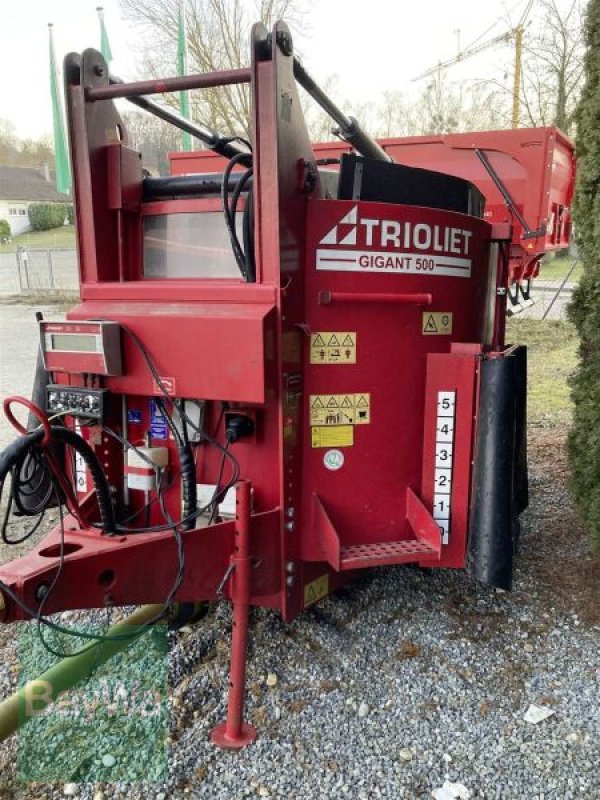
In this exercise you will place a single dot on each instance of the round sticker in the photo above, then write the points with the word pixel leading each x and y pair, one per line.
pixel 333 459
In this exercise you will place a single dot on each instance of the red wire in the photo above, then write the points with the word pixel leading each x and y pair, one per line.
pixel 33 409
pixel 42 417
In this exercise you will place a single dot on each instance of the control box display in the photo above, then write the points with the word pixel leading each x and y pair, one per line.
pixel 76 401
pixel 81 347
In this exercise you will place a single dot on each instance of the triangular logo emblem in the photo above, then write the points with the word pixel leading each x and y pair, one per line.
pixel 344 232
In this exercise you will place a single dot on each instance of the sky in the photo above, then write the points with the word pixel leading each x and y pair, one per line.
pixel 369 52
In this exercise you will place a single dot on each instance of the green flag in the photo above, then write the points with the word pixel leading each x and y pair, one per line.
pixel 61 156
pixel 184 100
pixel 104 43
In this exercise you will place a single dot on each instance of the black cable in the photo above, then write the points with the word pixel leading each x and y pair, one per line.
pixel 11 456
pixel 187 465
pixel 29 475
pixel 248 235
pixel 5 521
pixel 216 496
pixel 247 231
pixel 238 253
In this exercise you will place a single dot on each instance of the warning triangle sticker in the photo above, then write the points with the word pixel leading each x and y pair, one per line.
pixel 318 341
pixel 332 402
pixel 362 402
pixel 430 326
pixel 317 403
pixel 348 341
pixel 347 402
pixel 333 341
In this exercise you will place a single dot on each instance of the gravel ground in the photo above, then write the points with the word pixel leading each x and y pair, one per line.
pixel 402 680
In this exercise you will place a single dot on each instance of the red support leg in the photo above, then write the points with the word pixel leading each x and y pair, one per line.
pixel 234 733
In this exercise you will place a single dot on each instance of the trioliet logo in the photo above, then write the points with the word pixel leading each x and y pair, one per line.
pixel 400 246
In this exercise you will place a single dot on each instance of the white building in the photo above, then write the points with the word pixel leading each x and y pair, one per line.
pixel 21 186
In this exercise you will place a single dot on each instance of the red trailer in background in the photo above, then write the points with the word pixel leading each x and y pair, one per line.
pixel 527 177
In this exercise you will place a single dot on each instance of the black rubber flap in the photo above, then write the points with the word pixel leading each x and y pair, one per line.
pixel 499 448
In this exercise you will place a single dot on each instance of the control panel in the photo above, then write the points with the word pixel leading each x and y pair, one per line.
pixel 81 347
pixel 76 402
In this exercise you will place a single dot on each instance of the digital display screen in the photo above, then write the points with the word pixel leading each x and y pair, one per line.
pixel 74 342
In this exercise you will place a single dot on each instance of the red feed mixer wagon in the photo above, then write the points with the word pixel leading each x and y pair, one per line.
pixel 280 372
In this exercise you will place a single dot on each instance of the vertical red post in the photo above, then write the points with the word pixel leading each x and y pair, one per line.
pixel 234 733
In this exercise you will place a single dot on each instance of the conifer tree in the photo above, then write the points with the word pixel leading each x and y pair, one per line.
pixel 584 440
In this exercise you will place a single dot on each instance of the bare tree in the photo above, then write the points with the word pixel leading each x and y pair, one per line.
pixel 217 38
pixel 153 138
pixel 553 64
pixel 444 107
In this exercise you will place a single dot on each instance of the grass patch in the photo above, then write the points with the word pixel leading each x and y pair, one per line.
pixel 56 239
pixel 63 299
pixel 556 268
pixel 552 358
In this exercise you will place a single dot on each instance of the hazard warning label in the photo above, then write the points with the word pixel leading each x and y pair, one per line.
pixel 316 590
pixel 334 436
pixel 436 323
pixel 340 409
pixel 333 347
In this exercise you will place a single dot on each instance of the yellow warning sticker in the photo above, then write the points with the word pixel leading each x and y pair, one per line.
pixel 436 323
pixel 334 436
pixel 333 347
pixel 340 409
pixel 316 590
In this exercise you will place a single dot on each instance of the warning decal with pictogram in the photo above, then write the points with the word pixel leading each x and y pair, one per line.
pixel 340 409
pixel 436 323
pixel 333 347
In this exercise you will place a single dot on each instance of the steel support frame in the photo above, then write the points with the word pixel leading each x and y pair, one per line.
pixel 234 733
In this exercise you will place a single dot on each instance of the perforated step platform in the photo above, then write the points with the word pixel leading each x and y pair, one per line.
pixel 359 556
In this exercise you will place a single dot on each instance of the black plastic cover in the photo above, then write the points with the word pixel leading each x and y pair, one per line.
pixel 368 179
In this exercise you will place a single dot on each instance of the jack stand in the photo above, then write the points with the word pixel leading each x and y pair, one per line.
pixel 234 733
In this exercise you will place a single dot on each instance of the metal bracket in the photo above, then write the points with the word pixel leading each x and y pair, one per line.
pixel 224 579
pixel 510 203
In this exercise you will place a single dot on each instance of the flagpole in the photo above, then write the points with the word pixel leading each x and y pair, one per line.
pixel 104 43
pixel 184 100
pixel 61 156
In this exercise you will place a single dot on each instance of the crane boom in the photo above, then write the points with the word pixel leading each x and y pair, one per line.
pixel 517 33
pixel 464 54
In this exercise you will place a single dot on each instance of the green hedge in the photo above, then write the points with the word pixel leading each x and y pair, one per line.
pixel 5 233
pixel 45 216
pixel 584 440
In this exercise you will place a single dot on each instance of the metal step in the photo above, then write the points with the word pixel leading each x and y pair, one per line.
pixel 359 556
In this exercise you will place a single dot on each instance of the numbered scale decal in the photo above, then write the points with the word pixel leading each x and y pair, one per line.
pixel 444 456
pixel 81 480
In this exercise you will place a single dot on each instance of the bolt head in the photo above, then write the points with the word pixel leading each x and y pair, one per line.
pixel 284 41
pixel 41 592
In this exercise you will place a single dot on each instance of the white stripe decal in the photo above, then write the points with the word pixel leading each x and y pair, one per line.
pixel 385 262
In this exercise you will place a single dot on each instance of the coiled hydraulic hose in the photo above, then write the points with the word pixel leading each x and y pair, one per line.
pixel 15 454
